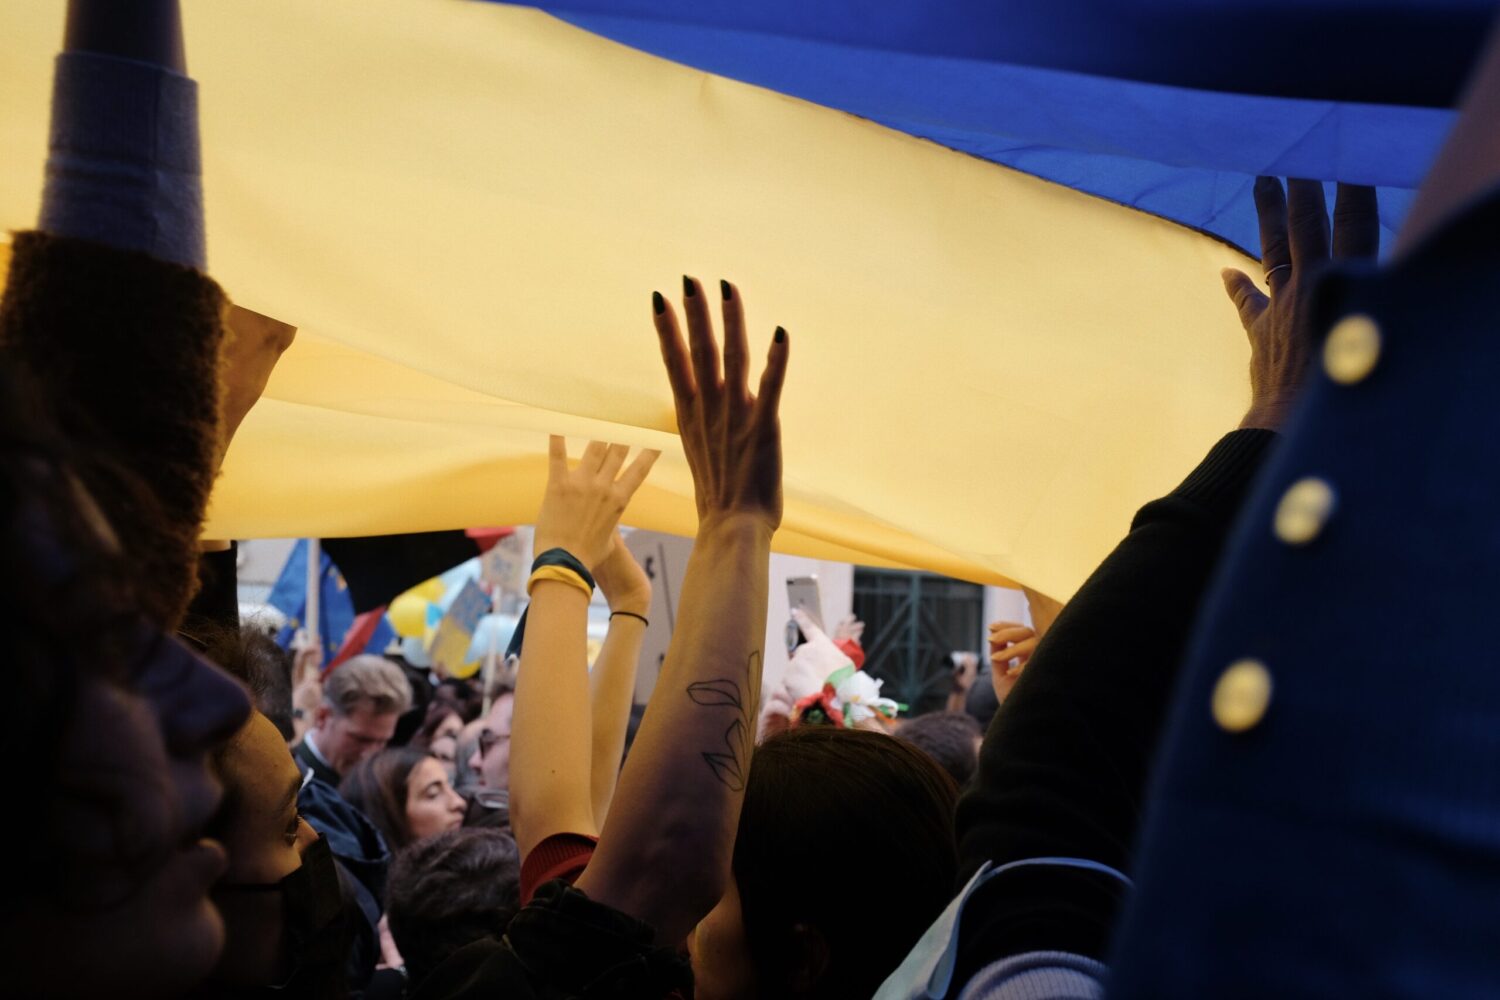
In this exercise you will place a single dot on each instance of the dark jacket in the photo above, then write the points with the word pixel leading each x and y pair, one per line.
pixel 363 861
pixel 308 761
pixel 1342 840
pixel 1063 769
pixel 562 945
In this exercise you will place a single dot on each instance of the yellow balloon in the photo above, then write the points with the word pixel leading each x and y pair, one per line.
pixel 408 615
pixel 428 589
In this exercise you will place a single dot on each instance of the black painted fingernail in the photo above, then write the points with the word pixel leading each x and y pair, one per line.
pixel 780 335
pixel 658 303
pixel 688 288
pixel 726 290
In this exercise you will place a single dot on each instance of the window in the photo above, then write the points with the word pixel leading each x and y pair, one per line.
pixel 912 622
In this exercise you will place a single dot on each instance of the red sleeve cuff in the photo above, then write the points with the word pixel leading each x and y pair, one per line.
pixel 562 855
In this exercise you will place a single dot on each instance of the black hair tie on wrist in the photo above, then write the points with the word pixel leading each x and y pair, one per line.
pixel 631 614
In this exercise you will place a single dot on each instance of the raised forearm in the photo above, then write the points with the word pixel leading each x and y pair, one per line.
pixel 681 790
pixel 550 742
pixel 612 690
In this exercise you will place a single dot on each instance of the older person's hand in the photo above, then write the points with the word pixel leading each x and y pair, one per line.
pixel 1294 238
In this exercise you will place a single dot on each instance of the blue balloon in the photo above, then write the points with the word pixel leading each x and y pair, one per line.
pixel 502 627
pixel 415 652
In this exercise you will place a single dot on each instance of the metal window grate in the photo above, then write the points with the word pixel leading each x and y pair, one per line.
pixel 913 621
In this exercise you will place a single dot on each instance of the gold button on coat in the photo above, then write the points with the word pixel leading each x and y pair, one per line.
pixel 1352 349
pixel 1242 696
pixel 1303 510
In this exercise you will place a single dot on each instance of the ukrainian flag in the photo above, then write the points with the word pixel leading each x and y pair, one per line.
pixel 994 230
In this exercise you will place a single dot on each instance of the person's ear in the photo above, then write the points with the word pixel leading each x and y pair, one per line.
pixel 320 717
pixel 809 958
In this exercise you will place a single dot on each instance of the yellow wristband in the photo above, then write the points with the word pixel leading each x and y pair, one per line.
pixel 560 574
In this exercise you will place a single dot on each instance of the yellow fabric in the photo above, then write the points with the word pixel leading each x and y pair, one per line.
pixel 559 574
pixel 464 207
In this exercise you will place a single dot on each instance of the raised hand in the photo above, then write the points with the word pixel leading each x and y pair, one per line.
pixel 732 439
pixel 849 627
pixel 664 857
pixel 808 668
pixel 1011 646
pixel 582 506
pixel 1294 239
pixel 626 586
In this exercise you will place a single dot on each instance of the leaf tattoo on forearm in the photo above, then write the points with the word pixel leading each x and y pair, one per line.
pixel 732 765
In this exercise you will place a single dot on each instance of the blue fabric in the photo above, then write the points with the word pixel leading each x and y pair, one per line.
pixel 1348 845
pixel 1038 975
pixel 1385 51
pixel 363 863
pixel 353 838
pixel 1186 155
pixel 124 167
pixel 928 970
pixel 382 637
pixel 335 606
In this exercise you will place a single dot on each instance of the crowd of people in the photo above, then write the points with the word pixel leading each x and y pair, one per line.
pixel 1209 774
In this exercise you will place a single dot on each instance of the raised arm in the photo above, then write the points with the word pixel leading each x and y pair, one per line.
pixel 1063 769
pixel 664 855
pixel 552 732
pixel 612 681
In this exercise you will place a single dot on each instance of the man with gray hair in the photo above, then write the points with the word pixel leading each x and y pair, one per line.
pixel 362 699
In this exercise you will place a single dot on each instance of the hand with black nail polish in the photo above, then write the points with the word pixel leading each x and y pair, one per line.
pixel 732 439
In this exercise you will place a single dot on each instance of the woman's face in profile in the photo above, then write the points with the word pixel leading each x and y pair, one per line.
pixel 445 749
pixel 448 729
pixel 432 806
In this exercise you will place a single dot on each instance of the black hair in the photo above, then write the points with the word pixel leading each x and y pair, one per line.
pixel 981 702
pixel 451 890
pixel 270 671
pixel 950 738
pixel 251 657
pixel 464 695
pixel 849 832
pixel 438 710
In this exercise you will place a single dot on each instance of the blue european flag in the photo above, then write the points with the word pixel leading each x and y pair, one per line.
pixel 335 606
